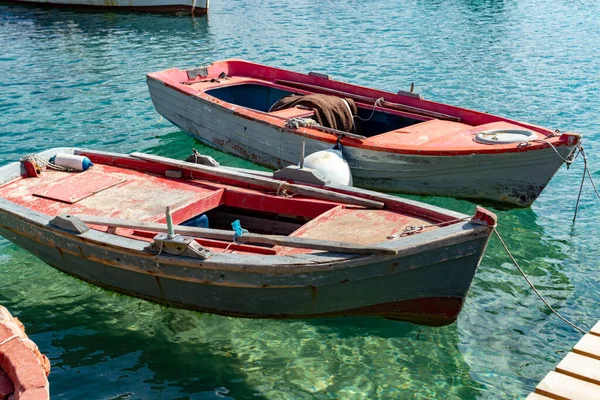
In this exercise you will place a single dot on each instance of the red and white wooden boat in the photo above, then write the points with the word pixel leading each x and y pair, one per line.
pixel 408 144
pixel 23 368
pixel 195 7
pixel 325 251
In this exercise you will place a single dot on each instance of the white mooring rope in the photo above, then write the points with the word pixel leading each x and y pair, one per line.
pixel 533 287
pixel 586 171
pixel 410 230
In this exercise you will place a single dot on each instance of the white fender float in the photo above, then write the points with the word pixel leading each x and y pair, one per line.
pixel 331 164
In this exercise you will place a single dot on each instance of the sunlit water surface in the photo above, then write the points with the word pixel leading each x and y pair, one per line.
pixel 77 78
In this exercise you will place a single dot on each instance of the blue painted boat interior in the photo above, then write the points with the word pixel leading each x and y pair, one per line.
pixel 256 97
pixel 369 123
pixel 262 98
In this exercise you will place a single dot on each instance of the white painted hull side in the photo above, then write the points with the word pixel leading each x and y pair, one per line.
pixel 514 178
pixel 158 5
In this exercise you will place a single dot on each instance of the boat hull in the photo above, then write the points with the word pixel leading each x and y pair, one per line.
pixel 425 287
pixel 516 178
pixel 197 7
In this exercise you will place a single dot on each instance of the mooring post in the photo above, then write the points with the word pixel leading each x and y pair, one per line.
pixel 171 231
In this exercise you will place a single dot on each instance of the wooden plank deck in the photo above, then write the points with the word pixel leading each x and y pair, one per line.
pixel 577 376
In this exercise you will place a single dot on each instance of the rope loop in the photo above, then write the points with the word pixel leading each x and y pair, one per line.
pixel 378 103
pixel 9 339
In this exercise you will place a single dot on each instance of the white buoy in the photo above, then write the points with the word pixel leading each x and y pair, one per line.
pixel 331 164
pixel 79 163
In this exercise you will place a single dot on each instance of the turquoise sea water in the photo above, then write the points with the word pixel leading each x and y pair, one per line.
pixel 77 78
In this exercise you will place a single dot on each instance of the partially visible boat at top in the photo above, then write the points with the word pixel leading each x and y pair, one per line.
pixel 240 242
pixel 394 142
pixel 194 7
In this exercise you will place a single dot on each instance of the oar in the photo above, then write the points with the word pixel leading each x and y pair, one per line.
pixel 369 100
pixel 274 184
pixel 218 234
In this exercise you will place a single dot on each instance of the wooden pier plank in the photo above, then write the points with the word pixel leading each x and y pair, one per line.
pixel 564 387
pixel 580 367
pixel 536 396
pixel 596 329
pixel 577 376
pixel 589 346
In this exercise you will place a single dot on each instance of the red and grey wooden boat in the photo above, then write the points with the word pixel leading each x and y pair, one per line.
pixel 312 250
pixel 195 7
pixel 402 143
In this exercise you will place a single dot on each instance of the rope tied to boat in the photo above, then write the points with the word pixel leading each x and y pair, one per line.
pixel 516 264
pixel 413 229
pixel 569 160
pixel 36 159
pixel 9 339
pixel 586 171
pixel 378 103
pixel 282 192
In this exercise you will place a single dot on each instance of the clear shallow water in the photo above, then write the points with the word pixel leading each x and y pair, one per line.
pixel 77 78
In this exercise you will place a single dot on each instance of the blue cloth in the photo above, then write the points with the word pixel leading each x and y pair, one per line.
pixel 239 231
pixel 199 221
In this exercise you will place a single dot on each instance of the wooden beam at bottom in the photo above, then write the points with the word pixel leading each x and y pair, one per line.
pixel 564 387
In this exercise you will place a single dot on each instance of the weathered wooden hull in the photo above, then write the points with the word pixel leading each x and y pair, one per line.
pixel 196 7
pixel 427 288
pixel 426 282
pixel 515 178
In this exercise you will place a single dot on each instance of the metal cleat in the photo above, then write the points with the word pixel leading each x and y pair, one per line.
pixel 178 245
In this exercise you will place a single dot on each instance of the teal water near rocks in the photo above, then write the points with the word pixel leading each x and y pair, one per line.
pixel 77 78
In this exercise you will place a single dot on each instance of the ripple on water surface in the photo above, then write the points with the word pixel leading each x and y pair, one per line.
pixel 78 78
